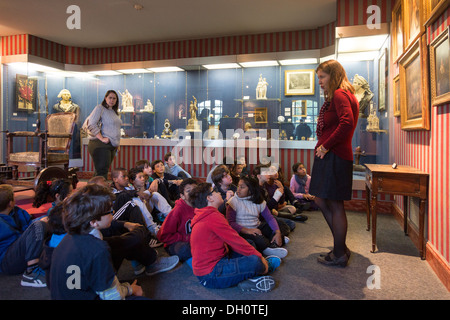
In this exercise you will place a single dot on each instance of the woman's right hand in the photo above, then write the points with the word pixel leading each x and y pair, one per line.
pixel 105 140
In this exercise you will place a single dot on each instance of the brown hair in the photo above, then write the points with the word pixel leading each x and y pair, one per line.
pixel 338 78
pixel 85 205
pixel 6 195
pixel 116 106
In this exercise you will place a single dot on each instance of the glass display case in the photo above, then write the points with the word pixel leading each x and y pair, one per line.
pixel 240 97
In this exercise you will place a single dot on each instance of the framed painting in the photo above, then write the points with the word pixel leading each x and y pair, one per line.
pixel 299 82
pixel 299 107
pixel 260 115
pixel 414 95
pixel 434 8
pixel 382 77
pixel 439 69
pixel 397 31
pixel 414 16
pixel 397 96
pixel 26 89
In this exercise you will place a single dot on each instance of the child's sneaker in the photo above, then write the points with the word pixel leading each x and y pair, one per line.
pixel 34 278
pixel 273 262
pixel 259 284
pixel 138 268
pixel 162 264
pixel 275 251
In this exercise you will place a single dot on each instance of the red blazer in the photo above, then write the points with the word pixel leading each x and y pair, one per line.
pixel 339 124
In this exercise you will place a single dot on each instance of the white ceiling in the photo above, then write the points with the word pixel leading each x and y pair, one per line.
pixel 116 22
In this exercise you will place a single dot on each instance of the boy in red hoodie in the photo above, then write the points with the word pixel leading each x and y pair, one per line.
pixel 220 257
pixel 176 228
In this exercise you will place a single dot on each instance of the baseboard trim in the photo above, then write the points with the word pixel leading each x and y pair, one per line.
pixel 437 263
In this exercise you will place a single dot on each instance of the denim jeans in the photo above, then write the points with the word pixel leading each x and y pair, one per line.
pixel 180 249
pixel 229 271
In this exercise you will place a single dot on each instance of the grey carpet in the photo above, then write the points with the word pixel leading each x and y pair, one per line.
pixel 403 275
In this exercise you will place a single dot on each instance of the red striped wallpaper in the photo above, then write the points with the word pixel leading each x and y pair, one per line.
pixel 354 12
pixel 233 45
pixel 429 151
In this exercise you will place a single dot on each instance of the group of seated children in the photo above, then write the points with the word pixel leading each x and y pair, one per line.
pixel 230 232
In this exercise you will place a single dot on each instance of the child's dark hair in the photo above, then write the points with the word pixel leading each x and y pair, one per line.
pixel 47 190
pixel 6 196
pixel 167 156
pixel 116 171
pixel 253 189
pixel 141 164
pixel 154 163
pixel 186 182
pixel 296 165
pixel 133 173
pixel 89 203
pixel 199 195
pixel 218 173
pixel 55 219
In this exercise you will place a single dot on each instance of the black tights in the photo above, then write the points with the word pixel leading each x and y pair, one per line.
pixel 336 218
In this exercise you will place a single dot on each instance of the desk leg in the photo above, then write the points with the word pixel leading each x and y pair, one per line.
pixel 374 221
pixel 405 214
pixel 368 207
pixel 422 244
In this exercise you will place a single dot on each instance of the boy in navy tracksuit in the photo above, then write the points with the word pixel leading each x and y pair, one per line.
pixel 21 240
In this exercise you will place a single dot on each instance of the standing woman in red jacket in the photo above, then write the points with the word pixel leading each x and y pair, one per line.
pixel 332 173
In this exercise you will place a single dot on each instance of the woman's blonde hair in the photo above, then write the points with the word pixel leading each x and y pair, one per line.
pixel 338 78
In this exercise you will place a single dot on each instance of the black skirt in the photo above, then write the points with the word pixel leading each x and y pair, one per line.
pixel 332 178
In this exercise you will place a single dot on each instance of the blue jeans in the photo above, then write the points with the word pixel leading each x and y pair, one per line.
pixel 180 249
pixel 229 271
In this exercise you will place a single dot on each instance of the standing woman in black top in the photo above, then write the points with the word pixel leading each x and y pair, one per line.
pixel 104 126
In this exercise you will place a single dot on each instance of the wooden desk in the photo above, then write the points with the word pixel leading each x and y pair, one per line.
pixel 405 181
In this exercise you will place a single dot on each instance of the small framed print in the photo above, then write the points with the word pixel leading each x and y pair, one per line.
pixel 414 16
pixel 26 89
pixel 260 115
pixel 439 69
pixel 397 33
pixel 382 77
pixel 397 96
pixel 299 82
pixel 414 96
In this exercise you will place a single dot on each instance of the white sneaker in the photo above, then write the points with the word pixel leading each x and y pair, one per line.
pixel 278 252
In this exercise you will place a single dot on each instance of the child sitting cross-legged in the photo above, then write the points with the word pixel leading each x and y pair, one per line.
pixel 244 213
pixel 220 257
pixel 81 267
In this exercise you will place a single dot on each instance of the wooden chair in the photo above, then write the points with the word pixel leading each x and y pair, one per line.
pixel 54 145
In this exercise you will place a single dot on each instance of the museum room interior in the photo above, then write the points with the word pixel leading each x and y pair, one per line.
pixel 210 80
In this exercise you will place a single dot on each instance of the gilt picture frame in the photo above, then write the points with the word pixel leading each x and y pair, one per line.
pixel 397 32
pixel 414 83
pixel 397 101
pixel 299 82
pixel 260 115
pixel 440 69
pixel 26 90
pixel 413 20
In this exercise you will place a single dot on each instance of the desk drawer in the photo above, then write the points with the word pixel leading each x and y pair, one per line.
pixel 401 185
